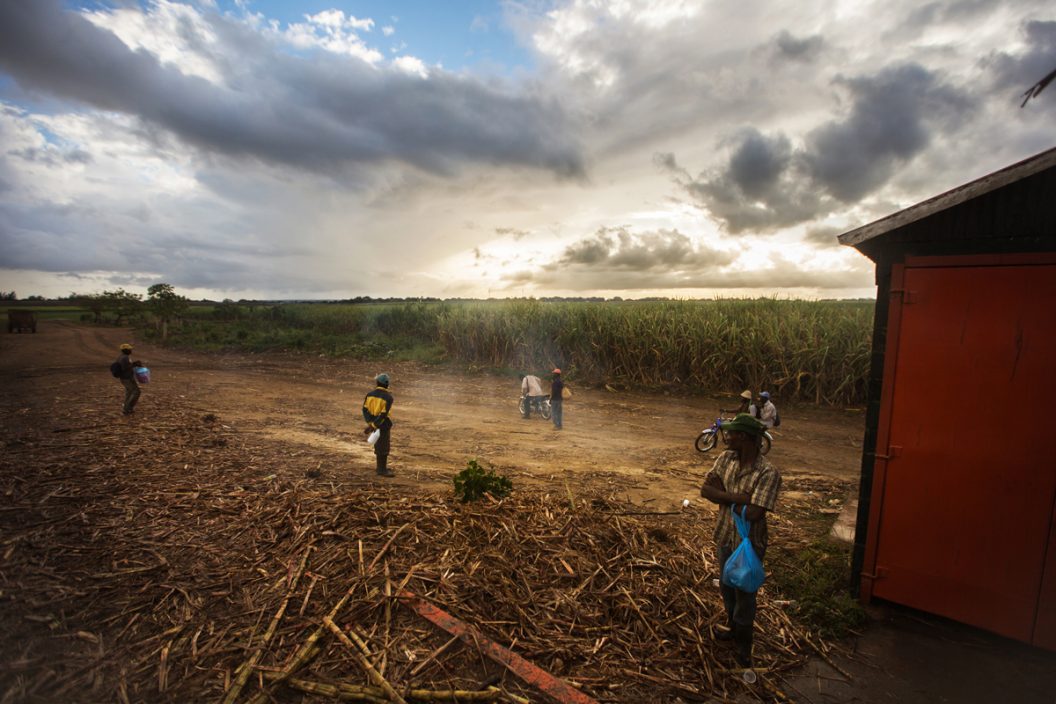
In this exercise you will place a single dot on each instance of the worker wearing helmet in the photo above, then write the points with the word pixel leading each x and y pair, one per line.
pixel 768 411
pixel 376 408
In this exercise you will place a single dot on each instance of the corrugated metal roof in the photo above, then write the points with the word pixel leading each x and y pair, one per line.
pixel 1009 174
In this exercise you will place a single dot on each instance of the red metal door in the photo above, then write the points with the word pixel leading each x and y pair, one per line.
pixel 969 487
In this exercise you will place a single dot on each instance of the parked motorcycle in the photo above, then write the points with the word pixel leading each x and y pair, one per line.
pixel 544 406
pixel 709 437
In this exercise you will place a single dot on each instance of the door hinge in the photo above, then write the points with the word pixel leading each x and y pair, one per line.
pixel 880 573
pixel 892 452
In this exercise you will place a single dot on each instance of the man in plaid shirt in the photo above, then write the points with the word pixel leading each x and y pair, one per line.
pixel 743 478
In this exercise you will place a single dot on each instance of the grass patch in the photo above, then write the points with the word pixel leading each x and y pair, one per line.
pixel 816 578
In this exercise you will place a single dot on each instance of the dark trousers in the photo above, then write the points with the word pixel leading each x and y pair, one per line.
pixel 531 402
pixel 381 448
pixel 740 606
pixel 555 412
pixel 131 394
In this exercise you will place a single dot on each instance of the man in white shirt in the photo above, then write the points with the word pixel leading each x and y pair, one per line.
pixel 767 410
pixel 532 390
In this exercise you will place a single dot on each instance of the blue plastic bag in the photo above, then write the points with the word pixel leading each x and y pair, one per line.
pixel 142 375
pixel 743 570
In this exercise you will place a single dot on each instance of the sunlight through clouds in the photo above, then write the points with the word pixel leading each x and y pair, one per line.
pixel 576 147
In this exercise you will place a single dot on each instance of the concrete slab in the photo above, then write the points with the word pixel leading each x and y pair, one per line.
pixel 910 657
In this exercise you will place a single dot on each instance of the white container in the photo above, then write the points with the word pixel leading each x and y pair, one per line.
pixel 373 437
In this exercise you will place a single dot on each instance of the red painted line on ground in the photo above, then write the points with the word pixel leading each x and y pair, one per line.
pixel 531 674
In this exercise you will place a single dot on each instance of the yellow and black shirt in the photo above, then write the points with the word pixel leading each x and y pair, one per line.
pixel 376 408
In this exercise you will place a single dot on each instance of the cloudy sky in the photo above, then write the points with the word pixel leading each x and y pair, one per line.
pixel 333 148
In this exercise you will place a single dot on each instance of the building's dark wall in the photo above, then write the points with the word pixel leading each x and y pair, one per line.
pixel 1017 218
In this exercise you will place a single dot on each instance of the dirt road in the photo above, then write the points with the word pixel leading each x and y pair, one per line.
pixel 640 444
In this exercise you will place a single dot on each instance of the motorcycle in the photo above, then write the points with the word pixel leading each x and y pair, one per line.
pixel 544 406
pixel 709 437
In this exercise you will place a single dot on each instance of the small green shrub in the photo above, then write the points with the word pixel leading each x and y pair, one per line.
pixel 473 482
pixel 816 577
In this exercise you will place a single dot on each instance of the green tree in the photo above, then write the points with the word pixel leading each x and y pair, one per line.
pixel 166 304
pixel 93 302
pixel 121 303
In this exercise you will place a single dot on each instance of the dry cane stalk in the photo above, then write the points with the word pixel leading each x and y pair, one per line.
pixel 355 692
pixel 432 656
pixel 301 656
pixel 247 667
pixel 359 652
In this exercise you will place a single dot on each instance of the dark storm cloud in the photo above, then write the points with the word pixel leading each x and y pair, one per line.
pixel 767 184
pixel 892 119
pixel 1013 74
pixel 787 47
pixel 761 187
pixel 597 264
pixel 315 112
pixel 614 249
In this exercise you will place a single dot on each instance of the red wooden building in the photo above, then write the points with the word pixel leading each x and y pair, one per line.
pixel 957 503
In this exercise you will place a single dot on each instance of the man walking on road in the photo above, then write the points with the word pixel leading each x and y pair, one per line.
pixel 742 479
pixel 376 407
pixel 125 371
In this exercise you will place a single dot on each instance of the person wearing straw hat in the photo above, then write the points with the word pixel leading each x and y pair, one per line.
pixel 376 408
pixel 124 369
pixel 741 479
pixel 746 406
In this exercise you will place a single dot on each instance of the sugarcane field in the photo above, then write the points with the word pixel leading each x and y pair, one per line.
pixel 231 542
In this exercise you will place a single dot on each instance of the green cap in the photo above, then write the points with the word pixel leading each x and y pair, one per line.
pixel 745 423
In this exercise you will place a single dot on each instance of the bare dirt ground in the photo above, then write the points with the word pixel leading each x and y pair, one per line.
pixel 161 521
pixel 640 443
pixel 306 411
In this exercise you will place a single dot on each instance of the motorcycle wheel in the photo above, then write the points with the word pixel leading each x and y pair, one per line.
pixel 706 441
pixel 520 406
pixel 546 409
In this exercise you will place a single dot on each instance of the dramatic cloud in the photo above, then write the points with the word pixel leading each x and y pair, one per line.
pixel 767 184
pixel 763 185
pixel 632 147
pixel 789 48
pixel 616 259
pixel 302 111
pixel 1017 72
pixel 613 249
